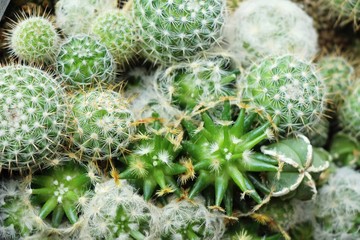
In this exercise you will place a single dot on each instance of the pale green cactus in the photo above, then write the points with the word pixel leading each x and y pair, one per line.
pixel 345 10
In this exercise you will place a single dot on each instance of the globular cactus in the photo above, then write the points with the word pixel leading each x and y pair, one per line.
pixel 175 30
pixel 198 82
pixel 117 31
pixel 100 124
pixel 338 75
pixel 345 10
pixel 34 39
pixel 345 150
pixel 116 211
pixel 286 90
pixel 83 61
pixel 319 133
pixel 337 208
pixel 190 220
pixel 153 160
pixel 76 16
pixel 32 117
pixel 259 28
pixel 349 113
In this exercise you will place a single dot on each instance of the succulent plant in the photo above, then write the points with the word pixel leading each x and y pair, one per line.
pixel 34 39
pixel 100 124
pixel 175 30
pixel 116 211
pixel 345 150
pixel 32 118
pixel 83 61
pixel 190 220
pixel 76 16
pixel 345 10
pixel 117 31
pixel 319 133
pixel 259 28
pixel 286 90
pixel 337 208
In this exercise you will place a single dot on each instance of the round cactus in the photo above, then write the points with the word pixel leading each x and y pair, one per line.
pixel 175 30
pixel 76 16
pixel 285 90
pixel 346 10
pixel 259 28
pixel 99 124
pixel 117 31
pixel 32 117
pixel 117 212
pixel 83 61
pixel 34 40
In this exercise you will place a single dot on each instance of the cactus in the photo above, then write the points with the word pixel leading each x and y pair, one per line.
pixel 34 40
pixel 345 10
pixel 286 90
pixel 83 61
pixel 117 31
pixel 117 212
pixel 345 150
pixel 190 220
pixel 259 28
pixel 198 82
pixel 337 208
pixel 32 117
pixel 152 161
pixel 76 16
pixel 175 30
pixel 338 75
pixel 99 124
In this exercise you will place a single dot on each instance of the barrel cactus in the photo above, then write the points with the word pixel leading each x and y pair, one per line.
pixel 117 31
pixel 34 40
pixel 100 124
pixel 83 61
pixel 175 30
pixel 286 90
pixel 259 28
pixel 32 117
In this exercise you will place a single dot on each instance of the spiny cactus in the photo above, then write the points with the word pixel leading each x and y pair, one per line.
pixel 198 82
pixel 117 31
pixel 176 30
pixel 32 117
pixel 99 124
pixel 190 220
pixel 62 190
pixel 337 208
pixel 34 39
pixel 319 133
pixel 286 90
pixel 274 27
pixel 345 10
pixel 117 212
pixel 338 75
pixel 83 61
pixel 76 16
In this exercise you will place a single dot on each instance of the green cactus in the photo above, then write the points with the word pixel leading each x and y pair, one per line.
pixel 100 124
pixel 34 40
pixel 175 30
pixel 117 31
pixel 285 90
pixel 32 118
pixel 345 10
pixel 345 150
pixel 83 61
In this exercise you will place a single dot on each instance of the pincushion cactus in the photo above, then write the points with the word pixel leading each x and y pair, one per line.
pixel 100 124
pixel 345 10
pixel 32 117
pixel 175 30
pixel 34 39
pixel 259 28
pixel 83 61
pixel 117 31
pixel 286 90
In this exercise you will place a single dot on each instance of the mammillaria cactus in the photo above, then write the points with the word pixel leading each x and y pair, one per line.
pixel 83 61
pixel 100 124
pixel 259 28
pixel 345 10
pixel 32 117
pixel 116 211
pixel 175 30
pixel 34 39
pixel 117 31
pixel 286 90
